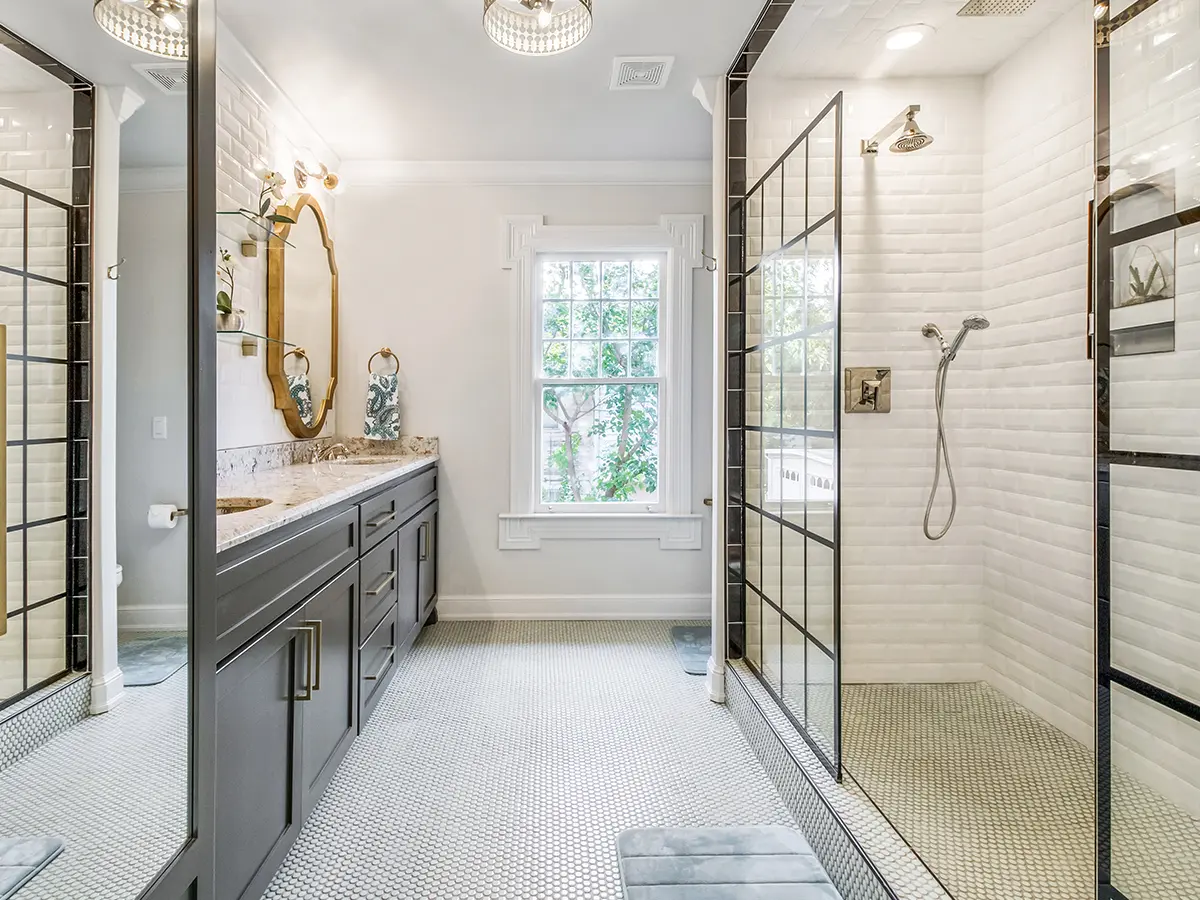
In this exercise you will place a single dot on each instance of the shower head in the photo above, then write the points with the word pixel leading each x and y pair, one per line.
pixel 913 137
pixel 970 323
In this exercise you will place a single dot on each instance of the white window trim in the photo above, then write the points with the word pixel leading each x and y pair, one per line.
pixel 681 238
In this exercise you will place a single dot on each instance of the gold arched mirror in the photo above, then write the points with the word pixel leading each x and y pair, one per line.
pixel 302 317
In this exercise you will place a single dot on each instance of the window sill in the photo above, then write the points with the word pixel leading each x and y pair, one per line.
pixel 526 532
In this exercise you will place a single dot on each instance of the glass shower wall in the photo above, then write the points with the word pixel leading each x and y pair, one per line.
pixel 785 351
pixel 45 127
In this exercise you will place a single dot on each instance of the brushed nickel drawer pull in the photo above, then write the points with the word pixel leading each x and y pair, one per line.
pixel 423 541
pixel 391 653
pixel 384 583
pixel 310 659
pixel 379 521
pixel 319 639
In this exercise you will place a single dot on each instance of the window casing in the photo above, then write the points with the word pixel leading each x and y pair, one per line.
pixel 656 501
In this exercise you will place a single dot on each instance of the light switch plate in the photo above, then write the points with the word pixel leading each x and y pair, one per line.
pixel 869 389
pixel 158 428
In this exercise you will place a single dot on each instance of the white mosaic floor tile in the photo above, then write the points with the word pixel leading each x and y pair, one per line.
pixel 114 788
pixel 506 758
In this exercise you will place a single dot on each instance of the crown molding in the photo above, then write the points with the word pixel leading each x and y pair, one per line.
pixel 506 172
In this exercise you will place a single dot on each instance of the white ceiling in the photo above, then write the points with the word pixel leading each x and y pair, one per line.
pixel 156 135
pixel 419 79
pixel 845 38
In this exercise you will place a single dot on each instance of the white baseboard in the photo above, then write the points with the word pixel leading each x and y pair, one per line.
pixel 108 690
pixel 576 606
pixel 152 618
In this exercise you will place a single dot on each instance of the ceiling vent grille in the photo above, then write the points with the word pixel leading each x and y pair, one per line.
pixel 641 73
pixel 996 8
pixel 170 79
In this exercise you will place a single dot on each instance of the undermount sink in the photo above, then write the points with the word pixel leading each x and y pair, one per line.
pixel 229 505
pixel 368 461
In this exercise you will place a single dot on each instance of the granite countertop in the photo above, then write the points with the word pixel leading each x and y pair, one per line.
pixel 297 491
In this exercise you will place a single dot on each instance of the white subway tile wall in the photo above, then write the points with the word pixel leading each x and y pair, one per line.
pixel 35 150
pixel 248 136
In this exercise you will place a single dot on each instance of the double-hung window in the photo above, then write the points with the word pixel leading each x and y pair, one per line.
pixel 601 382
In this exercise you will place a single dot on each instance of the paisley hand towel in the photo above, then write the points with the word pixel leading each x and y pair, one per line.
pixel 383 408
pixel 301 392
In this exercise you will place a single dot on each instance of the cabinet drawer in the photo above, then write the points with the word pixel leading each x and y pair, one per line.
pixel 381 516
pixel 378 576
pixel 377 664
pixel 253 592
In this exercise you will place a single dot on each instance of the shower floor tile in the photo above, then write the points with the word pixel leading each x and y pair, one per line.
pixel 506 758
pixel 999 803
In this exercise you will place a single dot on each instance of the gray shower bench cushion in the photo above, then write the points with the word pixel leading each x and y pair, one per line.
pixel 761 863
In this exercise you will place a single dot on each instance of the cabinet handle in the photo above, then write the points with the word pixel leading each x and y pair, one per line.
pixel 385 583
pixel 311 659
pixel 319 642
pixel 387 662
pixel 381 520
pixel 423 541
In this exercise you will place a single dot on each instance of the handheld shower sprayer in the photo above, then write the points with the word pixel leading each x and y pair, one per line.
pixel 942 448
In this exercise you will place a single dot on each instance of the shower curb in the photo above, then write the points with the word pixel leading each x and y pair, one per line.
pixel 42 716
pixel 865 856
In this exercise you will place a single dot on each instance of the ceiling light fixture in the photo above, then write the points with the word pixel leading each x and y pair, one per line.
pixel 158 27
pixel 537 27
pixel 906 37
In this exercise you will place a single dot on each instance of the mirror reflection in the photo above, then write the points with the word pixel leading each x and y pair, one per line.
pixel 94 687
pixel 302 300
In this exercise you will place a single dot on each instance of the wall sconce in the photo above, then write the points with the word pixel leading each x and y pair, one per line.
pixel 318 170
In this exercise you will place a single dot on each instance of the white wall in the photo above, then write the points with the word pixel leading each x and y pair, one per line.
pixel 421 273
pixel 1034 459
pixel 248 134
pixel 911 609
pixel 151 342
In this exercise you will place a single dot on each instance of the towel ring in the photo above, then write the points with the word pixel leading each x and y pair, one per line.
pixel 300 354
pixel 386 353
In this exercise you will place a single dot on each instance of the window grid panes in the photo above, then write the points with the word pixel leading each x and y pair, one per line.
pixel 599 384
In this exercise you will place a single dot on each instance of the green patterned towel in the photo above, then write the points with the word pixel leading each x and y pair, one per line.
pixel 301 393
pixel 383 408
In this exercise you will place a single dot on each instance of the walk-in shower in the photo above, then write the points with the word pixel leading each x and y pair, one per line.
pixel 942 448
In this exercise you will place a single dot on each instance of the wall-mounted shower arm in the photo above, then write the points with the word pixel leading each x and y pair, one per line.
pixel 870 146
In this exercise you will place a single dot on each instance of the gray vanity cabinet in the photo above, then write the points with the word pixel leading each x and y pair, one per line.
pixel 258 741
pixel 329 721
pixel 313 620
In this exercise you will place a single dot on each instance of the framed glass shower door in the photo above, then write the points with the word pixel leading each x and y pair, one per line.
pixel 1147 351
pixel 783 418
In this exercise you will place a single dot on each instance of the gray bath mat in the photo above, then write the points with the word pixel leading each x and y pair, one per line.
pixel 768 863
pixel 693 645
pixel 21 859
pixel 152 658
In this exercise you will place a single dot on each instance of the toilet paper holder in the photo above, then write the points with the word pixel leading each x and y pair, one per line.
pixel 179 513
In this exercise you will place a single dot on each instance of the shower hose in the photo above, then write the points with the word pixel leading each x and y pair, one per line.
pixel 941 452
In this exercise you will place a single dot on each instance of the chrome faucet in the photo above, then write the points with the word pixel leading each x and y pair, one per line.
pixel 334 451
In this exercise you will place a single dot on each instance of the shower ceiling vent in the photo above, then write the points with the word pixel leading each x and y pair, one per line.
pixel 641 73
pixel 170 79
pixel 996 8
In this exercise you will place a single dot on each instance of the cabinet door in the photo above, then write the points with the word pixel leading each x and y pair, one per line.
pixel 258 777
pixel 408 576
pixel 427 558
pixel 330 719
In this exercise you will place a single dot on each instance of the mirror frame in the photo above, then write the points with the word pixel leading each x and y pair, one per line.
pixel 276 302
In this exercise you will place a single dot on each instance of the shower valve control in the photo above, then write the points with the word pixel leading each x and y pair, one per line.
pixel 868 389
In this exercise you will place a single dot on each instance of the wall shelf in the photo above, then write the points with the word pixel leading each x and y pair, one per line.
pixel 260 229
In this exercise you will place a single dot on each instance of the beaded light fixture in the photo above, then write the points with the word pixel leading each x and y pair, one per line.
pixel 537 27
pixel 158 27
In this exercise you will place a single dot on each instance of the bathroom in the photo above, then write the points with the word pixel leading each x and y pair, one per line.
pixel 759 423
